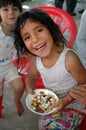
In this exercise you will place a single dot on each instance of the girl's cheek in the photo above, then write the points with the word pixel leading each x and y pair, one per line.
pixel 28 46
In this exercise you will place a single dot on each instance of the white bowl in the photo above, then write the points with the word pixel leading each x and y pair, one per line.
pixel 31 97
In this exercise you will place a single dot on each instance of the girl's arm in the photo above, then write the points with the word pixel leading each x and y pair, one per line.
pixel 75 67
pixel 31 76
pixel 62 103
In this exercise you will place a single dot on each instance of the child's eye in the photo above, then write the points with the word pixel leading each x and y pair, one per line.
pixel 5 9
pixel 40 30
pixel 15 8
pixel 26 38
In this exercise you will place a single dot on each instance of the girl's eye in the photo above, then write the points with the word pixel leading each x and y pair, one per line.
pixel 40 30
pixel 26 38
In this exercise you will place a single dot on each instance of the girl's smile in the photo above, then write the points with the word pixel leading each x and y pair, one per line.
pixel 37 38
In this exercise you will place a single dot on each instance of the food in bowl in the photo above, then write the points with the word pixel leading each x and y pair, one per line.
pixel 43 103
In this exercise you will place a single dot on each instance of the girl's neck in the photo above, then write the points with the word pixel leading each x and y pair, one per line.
pixel 48 62
pixel 8 30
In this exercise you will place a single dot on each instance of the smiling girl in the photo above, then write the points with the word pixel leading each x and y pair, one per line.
pixel 59 67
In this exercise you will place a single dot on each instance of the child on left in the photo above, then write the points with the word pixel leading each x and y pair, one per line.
pixel 9 11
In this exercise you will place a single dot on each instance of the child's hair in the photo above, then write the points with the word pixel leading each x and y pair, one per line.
pixel 42 17
pixel 16 3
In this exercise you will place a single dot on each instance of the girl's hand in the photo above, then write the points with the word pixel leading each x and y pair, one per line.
pixel 62 103
pixel 30 91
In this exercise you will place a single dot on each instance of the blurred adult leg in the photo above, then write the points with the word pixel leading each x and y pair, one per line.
pixel 71 4
pixel 59 3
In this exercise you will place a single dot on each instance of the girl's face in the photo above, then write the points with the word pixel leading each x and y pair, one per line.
pixel 9 14
pixel 37 38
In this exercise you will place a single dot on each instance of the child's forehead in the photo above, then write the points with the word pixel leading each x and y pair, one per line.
pixel 29 20
pixel 33 22
pixel 7 5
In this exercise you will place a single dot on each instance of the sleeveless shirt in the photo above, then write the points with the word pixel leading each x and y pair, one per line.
pixel 57 78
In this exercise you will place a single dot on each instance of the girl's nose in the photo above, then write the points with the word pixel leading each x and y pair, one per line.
pixel 34 38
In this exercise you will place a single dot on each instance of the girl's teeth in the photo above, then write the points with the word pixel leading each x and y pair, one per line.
pixel 40 46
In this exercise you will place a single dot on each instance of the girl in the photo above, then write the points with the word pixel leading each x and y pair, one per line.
pixel 36 33
pixel 9 11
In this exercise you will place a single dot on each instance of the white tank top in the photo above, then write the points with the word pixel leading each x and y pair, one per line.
pixel 7 49
pixel 57 78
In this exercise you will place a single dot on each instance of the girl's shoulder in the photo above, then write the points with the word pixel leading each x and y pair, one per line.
pixel 71 59
pixel 70 53
pixel 66 50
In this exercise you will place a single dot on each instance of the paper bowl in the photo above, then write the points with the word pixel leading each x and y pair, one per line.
pixel 48 96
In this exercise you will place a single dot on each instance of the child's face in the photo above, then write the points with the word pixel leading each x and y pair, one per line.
pixel 37 38
pixel 9 14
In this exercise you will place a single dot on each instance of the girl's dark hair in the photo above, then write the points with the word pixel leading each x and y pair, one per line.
pixel 42 17
pixel 16 3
